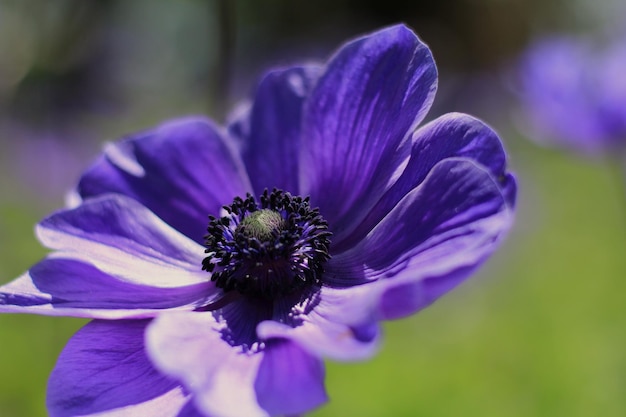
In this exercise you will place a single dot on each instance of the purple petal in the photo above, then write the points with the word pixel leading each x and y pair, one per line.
pixel 290 380
pixel 270 150
pixel 182 171
pixel 240 318
pixel 407 296
pixel 123 238
pixel 453 135
pixel 433 238
pixel 341 327
pixel 189 410
pixel 374 92
pixel 57 286
pixel 225 380
pixel 104 368
pixel 189 347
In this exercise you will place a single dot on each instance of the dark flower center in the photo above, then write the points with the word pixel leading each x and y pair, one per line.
pixel 267 249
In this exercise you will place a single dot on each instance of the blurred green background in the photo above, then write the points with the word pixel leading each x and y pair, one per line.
pixel 539 331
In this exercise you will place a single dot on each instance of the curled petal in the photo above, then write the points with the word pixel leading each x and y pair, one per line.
pixel 434 237
pixel 454 135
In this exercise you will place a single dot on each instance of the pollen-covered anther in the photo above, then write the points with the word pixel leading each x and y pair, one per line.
pixel 262 224
pixel 268 248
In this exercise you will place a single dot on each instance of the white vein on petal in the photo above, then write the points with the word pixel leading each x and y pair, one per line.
pixel 136 262
pixel 114 153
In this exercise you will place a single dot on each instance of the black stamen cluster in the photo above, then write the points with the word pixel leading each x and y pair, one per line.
pixel 288 257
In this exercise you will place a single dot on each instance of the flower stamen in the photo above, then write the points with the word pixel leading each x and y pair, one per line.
pixel 269 248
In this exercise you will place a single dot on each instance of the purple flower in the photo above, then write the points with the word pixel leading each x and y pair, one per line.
pixel 329 210
pixel 573 94
pixel 45 164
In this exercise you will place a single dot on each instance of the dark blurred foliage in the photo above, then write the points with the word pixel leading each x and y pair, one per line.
pixel 91 59
pixel 466 34
pixel 471 40
pixel 69 72
pixel 76 70
pixel 82 51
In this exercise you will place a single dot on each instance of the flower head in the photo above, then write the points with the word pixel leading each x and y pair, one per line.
pixel 573 94
pixel 221 266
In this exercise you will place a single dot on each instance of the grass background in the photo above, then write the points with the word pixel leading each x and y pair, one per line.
pixel 539 331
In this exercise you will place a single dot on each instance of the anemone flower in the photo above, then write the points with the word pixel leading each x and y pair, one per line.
pixel 573 94
pixel 222 265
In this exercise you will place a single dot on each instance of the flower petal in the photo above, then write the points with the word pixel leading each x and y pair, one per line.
pixel 189 410
pixel 104 369
pixel 182 171
pixel 116 259
pixel 189 347
pixel 454 135
pixel 271 147
pixel 279 379
pixel 290 380
pixel 67 287
pixel 123 238
pixel 375 90
pixel 434 237
pixel 337 328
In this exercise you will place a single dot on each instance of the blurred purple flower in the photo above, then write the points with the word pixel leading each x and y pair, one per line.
pixel 44 165
pixel 573 94
pixel 236 323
